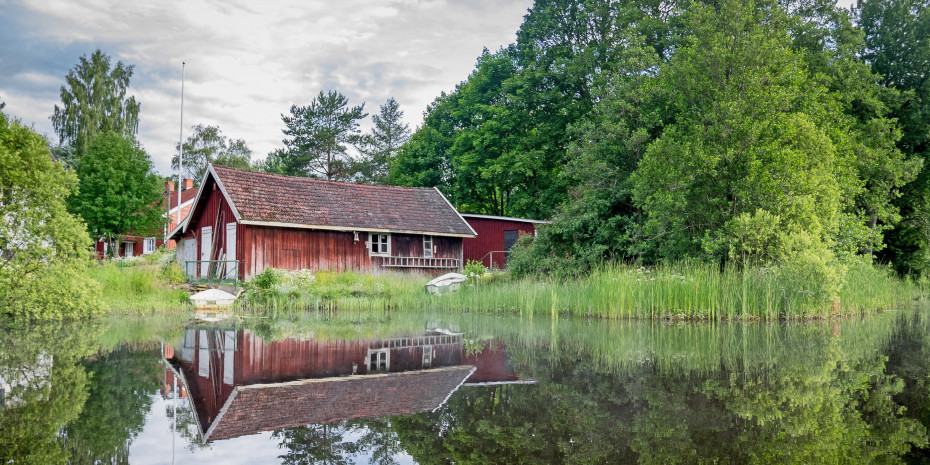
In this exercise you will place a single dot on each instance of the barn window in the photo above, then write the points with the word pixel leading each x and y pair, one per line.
pixel 379 360
pixel 148 245
pixel 427 246
pixel 379 244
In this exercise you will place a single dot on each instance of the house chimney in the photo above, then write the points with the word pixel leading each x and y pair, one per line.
pixel 169 186
pixel 188 183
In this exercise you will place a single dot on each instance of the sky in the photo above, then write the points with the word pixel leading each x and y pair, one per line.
pixel 247 62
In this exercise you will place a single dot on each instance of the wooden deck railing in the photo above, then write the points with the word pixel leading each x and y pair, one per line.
pixel 420 262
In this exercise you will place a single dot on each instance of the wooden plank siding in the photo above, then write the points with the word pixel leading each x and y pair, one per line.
pixel 297 249
pixel 261 247
pixel 214 213
pixel 491 239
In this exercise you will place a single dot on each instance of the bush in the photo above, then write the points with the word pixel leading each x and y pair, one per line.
pixel 173 273
pixel 474 270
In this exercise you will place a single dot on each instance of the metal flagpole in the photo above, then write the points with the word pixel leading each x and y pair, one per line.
pixel 181 145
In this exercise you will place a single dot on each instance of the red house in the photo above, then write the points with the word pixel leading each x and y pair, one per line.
pixel 266 220
pixel 496 235
pixel 240 384
pixel 136 245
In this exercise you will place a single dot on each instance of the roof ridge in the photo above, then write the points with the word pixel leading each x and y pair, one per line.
pixel 324 181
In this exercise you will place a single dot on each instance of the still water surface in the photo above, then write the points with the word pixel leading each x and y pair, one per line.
pixel 406 387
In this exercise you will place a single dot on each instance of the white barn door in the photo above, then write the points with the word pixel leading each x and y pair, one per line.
pixel 206 249
pixel 231 269
pixel 190 255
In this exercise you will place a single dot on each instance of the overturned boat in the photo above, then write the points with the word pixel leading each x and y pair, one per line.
pixel 449 282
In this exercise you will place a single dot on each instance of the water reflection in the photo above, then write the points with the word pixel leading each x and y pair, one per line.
pixel 241 384
pixel 466 389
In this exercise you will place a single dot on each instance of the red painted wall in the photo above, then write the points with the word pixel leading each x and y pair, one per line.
pixel 137 248
pixel 261 247
pixel 491 239
pixel 214 213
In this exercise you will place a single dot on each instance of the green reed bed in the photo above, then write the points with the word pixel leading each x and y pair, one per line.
pixel 686 291
pixel 625 346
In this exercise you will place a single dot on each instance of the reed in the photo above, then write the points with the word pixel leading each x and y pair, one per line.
pixel 681 291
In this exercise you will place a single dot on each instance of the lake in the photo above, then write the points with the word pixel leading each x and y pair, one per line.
pixel 414 387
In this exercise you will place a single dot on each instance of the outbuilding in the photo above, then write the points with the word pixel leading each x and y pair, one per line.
pixel 496 235
pixel 242 222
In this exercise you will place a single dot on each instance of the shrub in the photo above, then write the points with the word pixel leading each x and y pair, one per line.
pixel 474 270
pixel 173 273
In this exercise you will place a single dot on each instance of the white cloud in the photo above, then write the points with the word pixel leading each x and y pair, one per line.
pixel 247 63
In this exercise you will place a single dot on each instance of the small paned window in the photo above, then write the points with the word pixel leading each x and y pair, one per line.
pixel 148 245
pixel 427 356
pixel 379 244
pixel 428 246
pixel 379 360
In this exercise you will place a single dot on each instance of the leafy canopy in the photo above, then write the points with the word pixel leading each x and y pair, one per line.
pixel 207 145
pixel 119 191
pixel 43 248
pixel 93 101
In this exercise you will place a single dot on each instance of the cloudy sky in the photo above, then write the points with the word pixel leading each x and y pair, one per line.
pixel 247 61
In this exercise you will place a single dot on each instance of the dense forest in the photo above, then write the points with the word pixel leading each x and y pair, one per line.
pixel 759 132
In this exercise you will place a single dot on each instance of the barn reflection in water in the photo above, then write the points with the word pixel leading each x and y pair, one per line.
pixel 240 384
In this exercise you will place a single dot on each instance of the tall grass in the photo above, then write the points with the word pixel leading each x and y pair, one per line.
pixel 686 291
pixel 137 289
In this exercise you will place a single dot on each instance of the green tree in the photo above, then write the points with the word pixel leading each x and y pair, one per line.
pixel 121 388
pixel 379 148
pixel 93 101
pixel 207 145
pixel 48 388
pixel 43 248
pixel 319 136
pixel 119 191
pixel 897 46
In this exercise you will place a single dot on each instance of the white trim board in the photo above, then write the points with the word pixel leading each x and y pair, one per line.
pixel 504 218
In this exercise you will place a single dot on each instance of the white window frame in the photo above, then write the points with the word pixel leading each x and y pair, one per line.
pixel 128 249
pixel 382 360
pixel 427 246
pixel 148 245
pixel 379 239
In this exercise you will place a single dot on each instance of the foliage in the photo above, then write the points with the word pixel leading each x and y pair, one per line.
pixel 379 148
pixel 277 288
pixel 48 388
pixel 119 193
pixel 897 46
pixel 806 286
pixel 121 388
pixel 43 248
pixel 207 145
pixel 138 289
pixel 497 144
pixel 474 270
pixel 94 101
pixel 319 136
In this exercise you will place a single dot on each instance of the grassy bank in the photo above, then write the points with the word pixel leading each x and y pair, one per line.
pixel 140 287
pixel 682 291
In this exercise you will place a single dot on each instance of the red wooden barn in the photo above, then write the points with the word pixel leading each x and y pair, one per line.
pixel 496 236
pixel 241 384
pixel 268 220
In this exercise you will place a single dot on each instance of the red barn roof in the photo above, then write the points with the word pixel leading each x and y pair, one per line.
pixel 289 201
pixel 264 407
